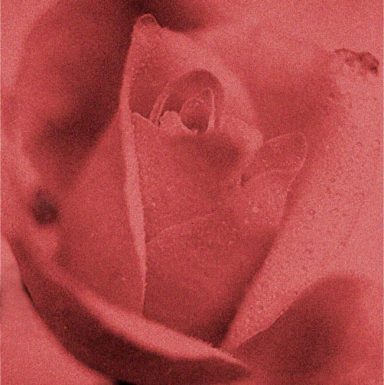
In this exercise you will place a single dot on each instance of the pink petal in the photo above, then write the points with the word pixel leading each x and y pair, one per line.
pixel 331 335
pixel 327 202
pixel 197 112
pixel 30 354
pixel 198 270
pixel 182 175
pixel 118 343
pixel 100 243
pixel 158 56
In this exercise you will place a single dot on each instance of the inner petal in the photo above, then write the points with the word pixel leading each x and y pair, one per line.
pixel 197 113
pixel 196 94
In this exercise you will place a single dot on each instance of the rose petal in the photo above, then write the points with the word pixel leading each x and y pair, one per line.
pixel 198 270
pixel 194 84
pixel 197 113
pixel 117 343
pixel 158 56
pixel 330 335
pixel 286 153
pixel 327 200
pixel 285 77
pixel 182 176
pixel 100 230
pixel 30 354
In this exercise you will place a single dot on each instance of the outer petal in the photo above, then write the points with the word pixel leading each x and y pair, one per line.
pixel 120 344
pixel 331 335
pixel 30 354
pixel 101 232
pixel 327 202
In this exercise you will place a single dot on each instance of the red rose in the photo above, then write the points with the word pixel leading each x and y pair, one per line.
pixel 183 224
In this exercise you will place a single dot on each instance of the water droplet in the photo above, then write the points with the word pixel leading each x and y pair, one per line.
pixel 359 145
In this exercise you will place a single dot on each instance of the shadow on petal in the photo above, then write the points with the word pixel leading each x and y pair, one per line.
pixel 331 335
pixel 120 344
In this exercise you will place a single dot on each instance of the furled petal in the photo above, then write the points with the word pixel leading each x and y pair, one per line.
pixel 198 270
pixel 158 56
pixel 105 337
pixel 330 335
pixel 197 84
pixel 184 175
pixel 328 203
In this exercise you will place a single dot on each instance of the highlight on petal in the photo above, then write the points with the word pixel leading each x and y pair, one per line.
pixel 118 343
pixel 331 334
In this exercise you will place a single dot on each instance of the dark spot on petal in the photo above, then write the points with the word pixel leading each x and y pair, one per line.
pixel 43 209
pixel 365 60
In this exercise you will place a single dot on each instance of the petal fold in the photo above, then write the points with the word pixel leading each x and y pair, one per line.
pixel 99 244
pixel 331 334
pixel 158 56
pixel 118 343
pixel 327 204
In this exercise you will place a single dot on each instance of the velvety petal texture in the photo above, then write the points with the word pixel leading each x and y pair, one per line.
pixel 30 352
pixel 99 226
pixel 156 251
pixel 159 56
pixel 326 209
pixel 332 334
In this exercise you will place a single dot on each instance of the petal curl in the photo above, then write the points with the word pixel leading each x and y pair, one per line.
pixel 30 354
pixel 120 344
pixel 331 334
pixel 326 205
pixel 158 56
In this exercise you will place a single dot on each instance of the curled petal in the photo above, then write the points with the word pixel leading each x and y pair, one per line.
pixel 120 344
pixel 30 353
pixel 257 205
pixel 284 153
pixel 158 56
pixel 197 84
pixel 327 204
pixel 330 335
pixel 182 176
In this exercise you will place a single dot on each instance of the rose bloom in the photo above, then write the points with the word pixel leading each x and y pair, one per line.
pixel 209 224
